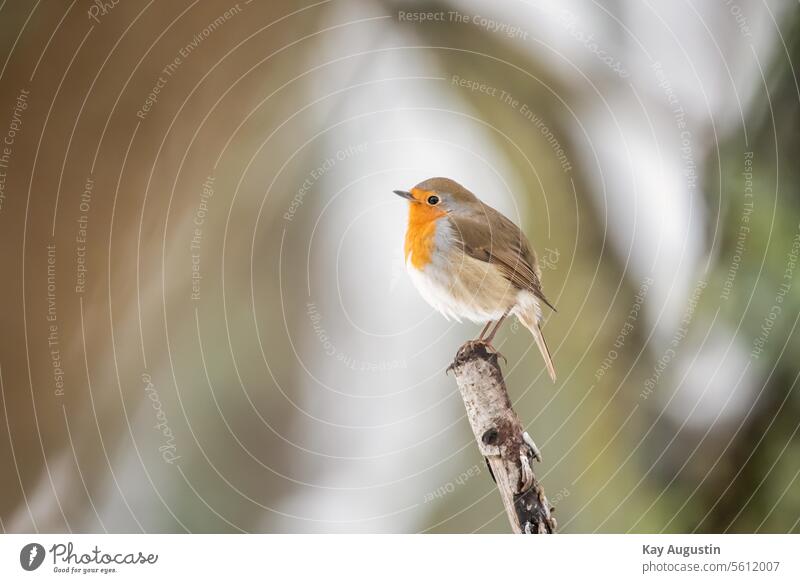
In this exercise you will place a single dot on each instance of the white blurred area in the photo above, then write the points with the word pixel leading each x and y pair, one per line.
pixel 380 411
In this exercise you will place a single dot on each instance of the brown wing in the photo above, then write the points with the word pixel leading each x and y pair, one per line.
pixel 489 236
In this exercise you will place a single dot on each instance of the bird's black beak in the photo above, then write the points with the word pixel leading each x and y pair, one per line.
pixel 405 194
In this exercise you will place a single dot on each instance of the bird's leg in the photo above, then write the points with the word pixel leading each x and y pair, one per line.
pixel 485 328
pixel 488 339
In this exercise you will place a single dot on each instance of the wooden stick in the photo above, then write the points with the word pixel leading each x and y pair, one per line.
pixel 508 450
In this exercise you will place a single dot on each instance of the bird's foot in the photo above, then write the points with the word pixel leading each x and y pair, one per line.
pixel 468 348
pixel 490 348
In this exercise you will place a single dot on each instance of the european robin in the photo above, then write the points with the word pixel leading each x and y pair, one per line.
pixel 469 261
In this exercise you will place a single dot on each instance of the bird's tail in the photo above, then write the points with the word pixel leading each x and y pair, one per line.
pixel 530 318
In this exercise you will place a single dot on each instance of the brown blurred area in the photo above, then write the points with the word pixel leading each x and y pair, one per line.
pixel 73 351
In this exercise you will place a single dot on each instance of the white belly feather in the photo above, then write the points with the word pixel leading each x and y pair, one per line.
pixel 460 286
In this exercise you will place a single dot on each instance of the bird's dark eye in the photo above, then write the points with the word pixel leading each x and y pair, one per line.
pixel 433 199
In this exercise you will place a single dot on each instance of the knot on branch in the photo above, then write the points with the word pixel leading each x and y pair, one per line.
pixel 490 437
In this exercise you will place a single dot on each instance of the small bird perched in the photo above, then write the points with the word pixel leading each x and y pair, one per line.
pixel 469 261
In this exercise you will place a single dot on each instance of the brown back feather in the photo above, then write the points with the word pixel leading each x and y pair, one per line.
pixel 489 236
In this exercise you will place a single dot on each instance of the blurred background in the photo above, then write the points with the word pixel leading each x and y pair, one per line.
pixel 207 325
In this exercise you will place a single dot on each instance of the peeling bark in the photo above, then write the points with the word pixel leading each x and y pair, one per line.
pixel 509 452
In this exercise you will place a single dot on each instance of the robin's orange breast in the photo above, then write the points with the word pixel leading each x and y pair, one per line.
pixel 421 233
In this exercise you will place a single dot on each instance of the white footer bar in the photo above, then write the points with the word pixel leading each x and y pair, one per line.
pixel 378 558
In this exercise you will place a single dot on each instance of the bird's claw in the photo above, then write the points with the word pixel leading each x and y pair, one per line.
pixel 493 350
